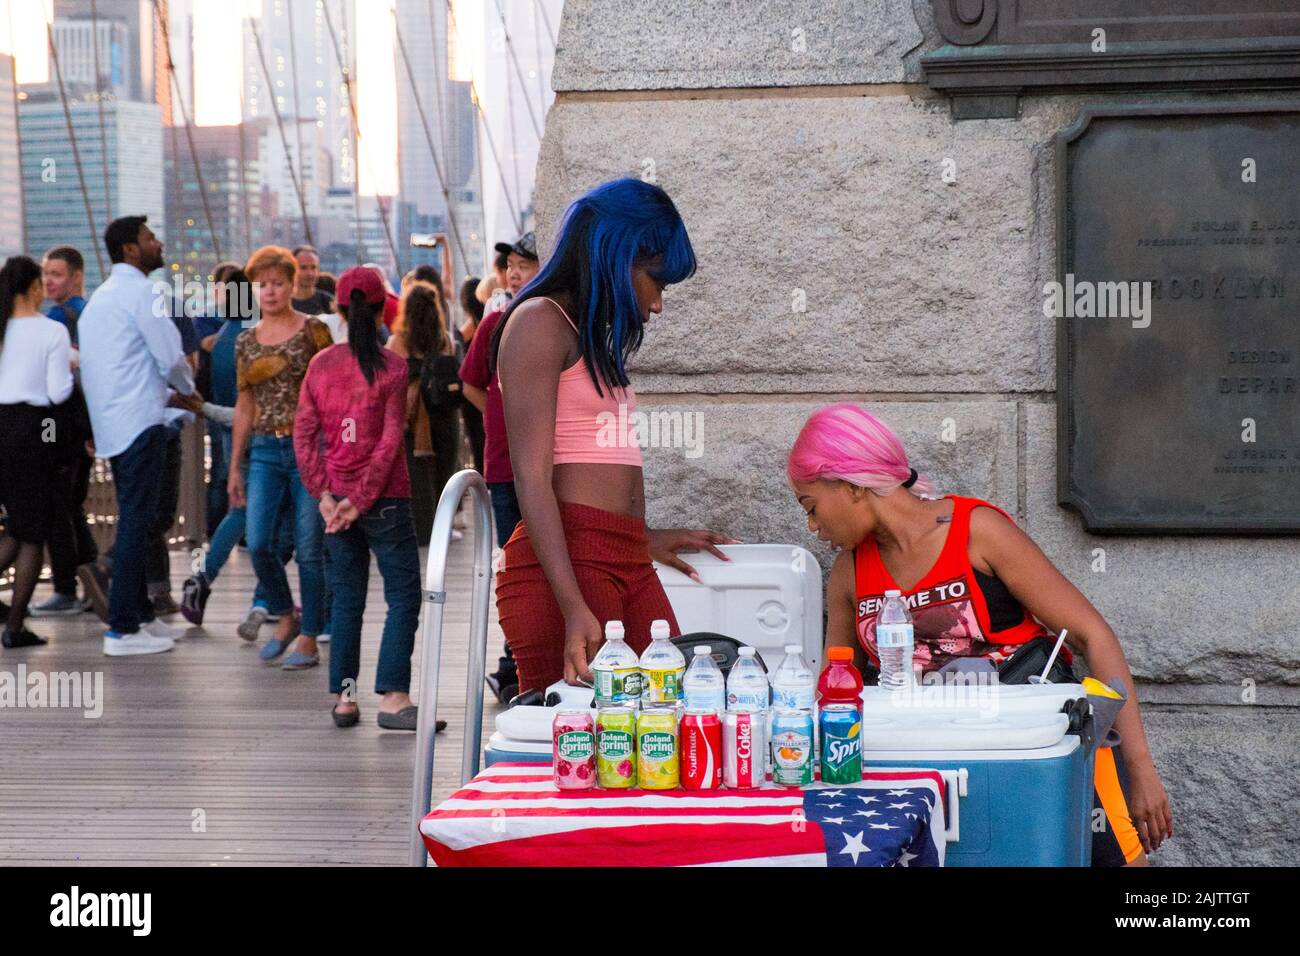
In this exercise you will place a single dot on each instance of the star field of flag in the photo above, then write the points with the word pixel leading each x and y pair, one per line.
pixel 864 827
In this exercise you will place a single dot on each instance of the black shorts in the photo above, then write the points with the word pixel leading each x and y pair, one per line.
pixel 27 464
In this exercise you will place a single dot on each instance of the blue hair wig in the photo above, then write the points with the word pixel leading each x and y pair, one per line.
pixel 603 235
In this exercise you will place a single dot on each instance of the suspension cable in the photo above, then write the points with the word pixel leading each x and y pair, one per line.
pixel 279 122
pixel 76 153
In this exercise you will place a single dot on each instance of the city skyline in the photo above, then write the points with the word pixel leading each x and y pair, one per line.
pixel 220 80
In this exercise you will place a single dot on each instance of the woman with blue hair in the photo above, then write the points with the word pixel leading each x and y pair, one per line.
pixel 582 554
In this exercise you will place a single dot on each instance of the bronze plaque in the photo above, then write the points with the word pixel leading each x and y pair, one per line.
pixel 1178 319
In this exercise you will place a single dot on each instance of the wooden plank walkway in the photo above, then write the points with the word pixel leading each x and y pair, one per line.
pixel 205 756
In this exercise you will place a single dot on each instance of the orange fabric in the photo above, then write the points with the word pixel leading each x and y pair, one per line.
pixel 610 554
pixel 1106 780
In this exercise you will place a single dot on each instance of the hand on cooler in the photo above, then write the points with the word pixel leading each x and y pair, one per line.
pixel 666 544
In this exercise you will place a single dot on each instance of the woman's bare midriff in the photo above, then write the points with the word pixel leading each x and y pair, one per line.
pixel 616 488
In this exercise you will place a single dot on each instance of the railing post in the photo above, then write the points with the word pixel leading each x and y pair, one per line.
pixel 435 597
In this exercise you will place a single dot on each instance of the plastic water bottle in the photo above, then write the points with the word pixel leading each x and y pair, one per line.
pixel 794 685
pixel 894 641
pixel 616 671
pixel 662 666
pixel 706 689
pixel 747 689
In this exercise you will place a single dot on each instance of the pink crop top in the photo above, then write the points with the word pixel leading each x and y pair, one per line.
pixel 590 428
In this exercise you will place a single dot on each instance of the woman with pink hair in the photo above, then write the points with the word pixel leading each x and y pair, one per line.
pixel 976 584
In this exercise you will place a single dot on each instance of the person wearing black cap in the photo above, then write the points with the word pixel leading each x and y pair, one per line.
pixel 483 390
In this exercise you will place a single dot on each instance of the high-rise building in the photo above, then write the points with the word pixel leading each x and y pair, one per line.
pixel 74 38
pixel 11 181
pixel 451 116
pixel 281 167
pixel 305 79
pixel 144 60
pixel 123 179
pixel 231 224
pixel 517 90
pixel 340 245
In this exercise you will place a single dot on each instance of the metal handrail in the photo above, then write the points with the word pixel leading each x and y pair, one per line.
pixel 435 596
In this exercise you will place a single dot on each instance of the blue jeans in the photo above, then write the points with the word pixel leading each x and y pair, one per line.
pixel 219 443
pixel 137 482
pixel 227 536
pixel 388 530
pixel 277 495
pixel 505 507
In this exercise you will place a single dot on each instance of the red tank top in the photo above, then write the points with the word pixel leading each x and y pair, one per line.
pixel 950 610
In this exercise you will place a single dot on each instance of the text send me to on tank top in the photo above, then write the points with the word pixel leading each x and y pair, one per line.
pixel 956 610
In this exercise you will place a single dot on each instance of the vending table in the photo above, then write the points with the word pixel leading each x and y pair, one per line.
pixel 511 814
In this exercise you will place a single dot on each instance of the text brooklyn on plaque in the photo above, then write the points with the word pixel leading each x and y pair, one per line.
pixel 1178 341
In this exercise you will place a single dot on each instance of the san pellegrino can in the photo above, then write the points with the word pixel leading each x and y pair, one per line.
pixel 792 747
pixel 841 733
pixel 658 757
pixel 616 747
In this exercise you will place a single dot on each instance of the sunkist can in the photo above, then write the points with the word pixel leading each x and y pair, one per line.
pixel 841 732
pixel 658 765
pixel 574 749
pixel 701 747
pixel 792 747
pixel 744 749
pixel 616 747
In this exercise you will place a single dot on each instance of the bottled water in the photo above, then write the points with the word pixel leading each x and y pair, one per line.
pixel 662 666
pixel 747 689
pixel 794 685
pixel 705 687
pixel 616 671
pixel 894 641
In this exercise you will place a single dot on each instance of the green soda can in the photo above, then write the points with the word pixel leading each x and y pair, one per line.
pixel 659 761
pixel 841 728
pixel 616 748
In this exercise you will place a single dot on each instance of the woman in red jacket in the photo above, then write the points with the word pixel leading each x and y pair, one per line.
pixel 353 402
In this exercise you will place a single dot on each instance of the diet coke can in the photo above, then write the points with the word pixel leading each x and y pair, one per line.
pixel 744 750
pixel 701 748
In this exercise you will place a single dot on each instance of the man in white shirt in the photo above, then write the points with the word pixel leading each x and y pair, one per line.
pixel 131 360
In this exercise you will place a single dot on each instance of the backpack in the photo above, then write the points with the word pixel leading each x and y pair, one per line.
pixel 440 386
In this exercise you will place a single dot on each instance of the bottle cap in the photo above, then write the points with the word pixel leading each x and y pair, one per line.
pixel 702 650
pixel 746 652
pixel 659 630
pixel 893 592
pixel 613 629
pixel 840 653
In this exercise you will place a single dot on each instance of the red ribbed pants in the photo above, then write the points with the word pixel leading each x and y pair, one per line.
pixel 610 554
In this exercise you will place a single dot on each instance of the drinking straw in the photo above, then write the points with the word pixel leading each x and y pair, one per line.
pixel 1060 639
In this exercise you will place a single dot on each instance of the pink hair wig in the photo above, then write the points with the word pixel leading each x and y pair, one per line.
pixel 846 442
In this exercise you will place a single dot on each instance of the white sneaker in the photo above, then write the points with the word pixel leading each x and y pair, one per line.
pixel 160 628
pixel 323 638
pixel 130 645
pixel 456 534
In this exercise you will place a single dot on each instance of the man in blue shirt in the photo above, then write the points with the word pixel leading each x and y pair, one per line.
pixel 70 544
pixel 132 363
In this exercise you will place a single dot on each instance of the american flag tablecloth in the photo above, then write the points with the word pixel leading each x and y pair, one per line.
pixel 511 814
